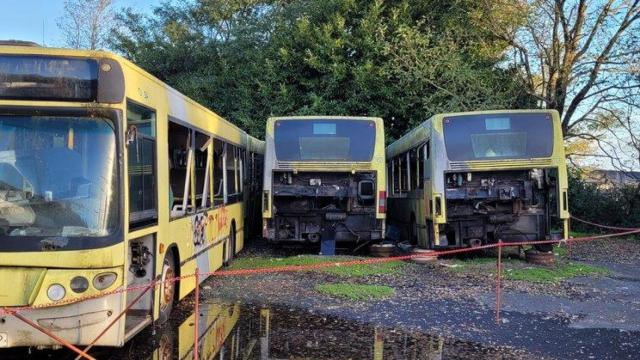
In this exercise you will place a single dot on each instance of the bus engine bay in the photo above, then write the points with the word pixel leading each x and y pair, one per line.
pixel 313 205
pixel 512 206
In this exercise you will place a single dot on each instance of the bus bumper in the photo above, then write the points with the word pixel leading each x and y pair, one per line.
pixel 78 323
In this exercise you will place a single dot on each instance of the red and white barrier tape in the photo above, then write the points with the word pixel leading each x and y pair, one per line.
pixel 292 268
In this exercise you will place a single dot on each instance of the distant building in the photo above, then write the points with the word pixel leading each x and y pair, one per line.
pixel 611 178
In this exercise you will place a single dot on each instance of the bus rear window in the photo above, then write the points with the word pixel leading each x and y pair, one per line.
pixel 498 136
pixel 324 140
pixel 28 77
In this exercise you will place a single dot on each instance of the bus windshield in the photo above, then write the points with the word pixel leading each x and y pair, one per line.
pixel 57 176
pixel 324 140
pixel 498 136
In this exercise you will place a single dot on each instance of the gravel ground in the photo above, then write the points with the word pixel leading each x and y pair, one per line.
pixel 568 319
pixel 617 250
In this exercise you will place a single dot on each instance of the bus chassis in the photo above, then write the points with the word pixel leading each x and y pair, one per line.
pixel 508 205
pixel 312 206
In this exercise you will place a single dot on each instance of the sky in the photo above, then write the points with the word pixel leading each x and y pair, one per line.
pixel 35 20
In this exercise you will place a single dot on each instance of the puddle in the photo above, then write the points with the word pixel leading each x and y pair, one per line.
pixel 234 331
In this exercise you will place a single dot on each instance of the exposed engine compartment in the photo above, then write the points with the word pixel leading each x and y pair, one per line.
pixel 311 205
pixel 484 207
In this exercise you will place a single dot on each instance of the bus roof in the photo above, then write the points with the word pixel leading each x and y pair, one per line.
pixel 333 117
pixel 421 133
pixel 255 145
pixel 33 50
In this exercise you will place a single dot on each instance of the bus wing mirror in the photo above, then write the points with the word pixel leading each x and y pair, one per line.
pixel 110 82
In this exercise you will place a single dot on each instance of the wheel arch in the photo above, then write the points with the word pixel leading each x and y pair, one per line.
pixel 175 251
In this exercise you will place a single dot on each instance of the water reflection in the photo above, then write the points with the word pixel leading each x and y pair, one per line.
pixel 216 322
pixel 232 331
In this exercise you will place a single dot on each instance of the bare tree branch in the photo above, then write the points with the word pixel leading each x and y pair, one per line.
pixel 86 23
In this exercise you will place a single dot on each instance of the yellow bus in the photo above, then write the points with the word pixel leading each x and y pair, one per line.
pixel 109 179
pixel 218 334
pixel 466 179
pixel 324 178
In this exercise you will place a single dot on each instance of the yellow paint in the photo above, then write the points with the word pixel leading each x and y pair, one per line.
pixel 378 344
pixel 19 285
pixel 418 202
pixel 95 258
pixel 215 325
pixel 63 277
pixel 38 270
pixel 376 164
pixel 70 139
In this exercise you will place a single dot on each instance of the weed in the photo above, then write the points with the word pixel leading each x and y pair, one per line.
pixel 516 269
pixel 393 267
pixel 561 251
pixel 355 291
pixel 554 274
pixel 359 270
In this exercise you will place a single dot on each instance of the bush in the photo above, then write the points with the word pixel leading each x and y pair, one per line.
pixel 615 206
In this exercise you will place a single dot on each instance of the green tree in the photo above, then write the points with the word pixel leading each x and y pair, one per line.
pixel 250 59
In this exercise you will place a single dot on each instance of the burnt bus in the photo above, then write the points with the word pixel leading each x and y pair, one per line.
pixel 324 178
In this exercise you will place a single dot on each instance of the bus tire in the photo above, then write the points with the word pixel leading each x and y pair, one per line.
pixel 544 247
pixel 168 287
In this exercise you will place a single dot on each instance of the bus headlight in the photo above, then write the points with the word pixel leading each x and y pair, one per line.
pixel 56 292
pixel 104 280
pixel 79 284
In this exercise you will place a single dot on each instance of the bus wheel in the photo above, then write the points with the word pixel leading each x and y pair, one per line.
pixel 168 287
pixel 544 247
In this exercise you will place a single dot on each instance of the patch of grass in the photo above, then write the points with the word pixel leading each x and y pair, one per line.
pixel 270 262
pixel 580 233
pixel 393 267
pixel 516 269
pixel 561 251
pixel 475 263
pixel 355 291
pixel 554 274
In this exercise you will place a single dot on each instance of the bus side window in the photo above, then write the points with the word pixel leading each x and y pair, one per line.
pixel 426 149
pixel 231 160
pixel 141 152
pixel 181 145
pixel 390 177
pixel 218 178
pixel 202 170
pixel 395 175
pixel 242 169
pixel 420 152
pixel 403 172
pixel 414 169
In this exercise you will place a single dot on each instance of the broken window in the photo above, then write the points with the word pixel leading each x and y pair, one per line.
pixel 202 171
pixel 181 146
pixel 141 151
